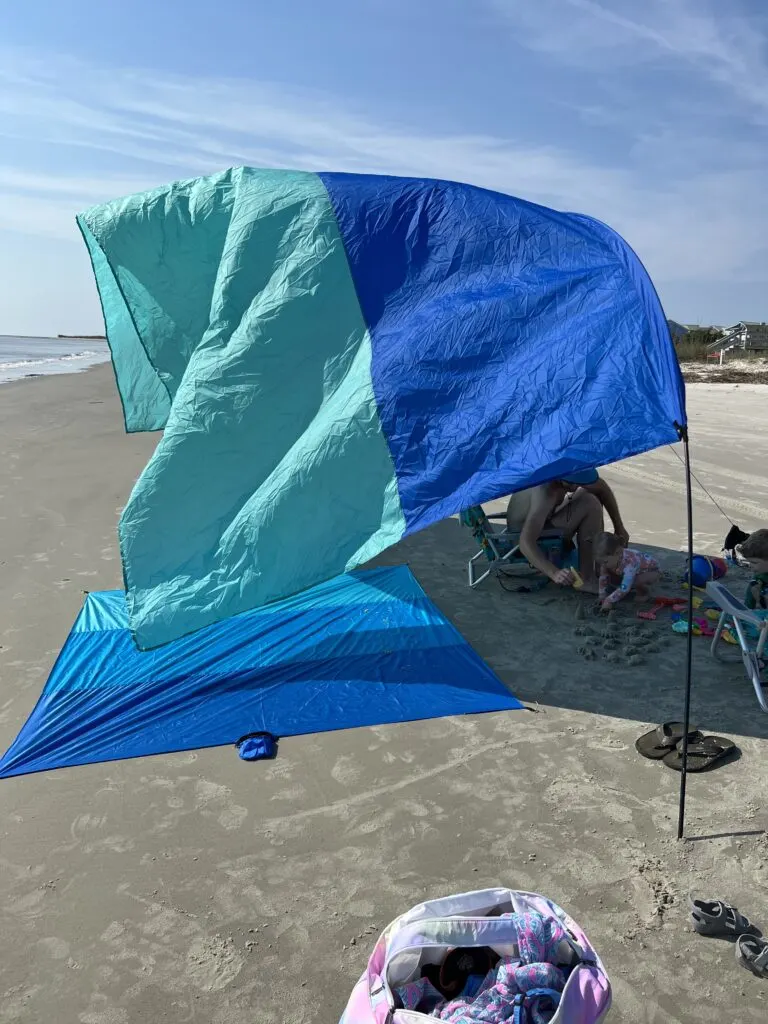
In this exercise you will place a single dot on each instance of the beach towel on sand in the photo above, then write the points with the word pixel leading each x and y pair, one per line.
pixel 339 360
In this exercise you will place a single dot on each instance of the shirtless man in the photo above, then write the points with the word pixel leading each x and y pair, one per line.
pixel 574 506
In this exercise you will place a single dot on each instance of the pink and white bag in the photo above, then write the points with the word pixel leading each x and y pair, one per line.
pixel 426 933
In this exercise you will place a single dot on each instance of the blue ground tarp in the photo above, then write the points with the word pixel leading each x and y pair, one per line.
pixel 360 355
pixel 367 648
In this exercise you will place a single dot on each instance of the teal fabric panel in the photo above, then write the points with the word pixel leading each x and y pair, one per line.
pixel 145 399
pixel 273 473
pixel 166 249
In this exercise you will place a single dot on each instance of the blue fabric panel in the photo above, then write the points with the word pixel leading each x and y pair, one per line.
pixel 366 648
pixel 511 344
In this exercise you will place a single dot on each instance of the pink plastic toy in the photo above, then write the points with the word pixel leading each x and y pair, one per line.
pixel 661 602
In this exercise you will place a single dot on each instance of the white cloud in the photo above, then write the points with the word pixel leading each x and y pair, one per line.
pixel 716 41
pixel 694 223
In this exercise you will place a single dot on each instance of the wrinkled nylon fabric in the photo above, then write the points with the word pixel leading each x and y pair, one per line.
pixel 273 473
pixel 145 399
pixel 367 648
pixel 511 343
pixel 352 357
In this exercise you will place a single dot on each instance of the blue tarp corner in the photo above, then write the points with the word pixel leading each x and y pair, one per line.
pixel 366 648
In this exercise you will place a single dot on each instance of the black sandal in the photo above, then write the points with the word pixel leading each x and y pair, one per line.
pixel 752 953
pixel 662 740
pixel 720 920
pixel 704 753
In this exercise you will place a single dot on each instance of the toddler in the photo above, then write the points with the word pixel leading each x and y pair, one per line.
pixel 623 568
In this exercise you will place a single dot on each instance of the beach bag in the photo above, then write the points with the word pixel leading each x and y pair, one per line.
pixel 425 934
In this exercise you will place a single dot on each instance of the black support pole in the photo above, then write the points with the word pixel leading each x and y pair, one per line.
pixel 683 432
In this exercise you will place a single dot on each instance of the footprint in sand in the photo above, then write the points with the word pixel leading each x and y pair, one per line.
pixel 232 817
pixel 211 797
pixel 587 652
pixel 366 828
pixel 213 963
pixel 345 771
pixel 113 931
pixel 413 807
pixel 85 823
pixel 29 905
pixel 290 793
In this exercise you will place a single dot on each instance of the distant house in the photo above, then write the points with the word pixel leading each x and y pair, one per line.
pixel 677 330
pixel 747 335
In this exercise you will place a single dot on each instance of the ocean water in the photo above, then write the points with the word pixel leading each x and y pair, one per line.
pixel 39 357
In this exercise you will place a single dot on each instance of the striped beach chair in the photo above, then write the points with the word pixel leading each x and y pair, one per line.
pixel 750 627
pixel 498 545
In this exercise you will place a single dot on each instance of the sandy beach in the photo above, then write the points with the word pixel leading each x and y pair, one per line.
pixel 196 887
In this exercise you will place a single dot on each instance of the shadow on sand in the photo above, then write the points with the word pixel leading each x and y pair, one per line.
pixel 545 654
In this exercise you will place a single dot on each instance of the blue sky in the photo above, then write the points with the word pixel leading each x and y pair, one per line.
pixel 652 116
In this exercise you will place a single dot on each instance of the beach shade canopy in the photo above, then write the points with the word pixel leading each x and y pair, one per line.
pixel 340 360
pixel 367 648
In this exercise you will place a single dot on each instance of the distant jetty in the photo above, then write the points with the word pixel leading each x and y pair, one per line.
pixel 83 337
